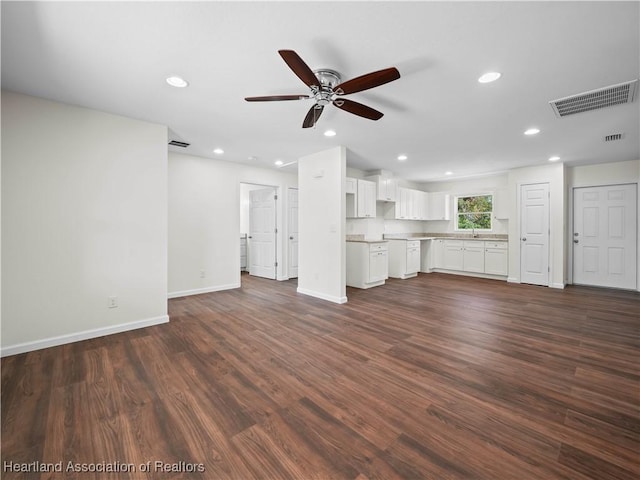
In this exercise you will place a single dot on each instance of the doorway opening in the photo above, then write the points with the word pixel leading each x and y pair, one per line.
pixel 258 230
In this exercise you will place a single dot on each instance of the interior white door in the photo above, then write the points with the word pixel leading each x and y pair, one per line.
pixel 262 233
pixel 534 234
pixel 293 233
pixel 605 236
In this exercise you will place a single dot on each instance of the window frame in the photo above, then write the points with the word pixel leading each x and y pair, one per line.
pixel 457 213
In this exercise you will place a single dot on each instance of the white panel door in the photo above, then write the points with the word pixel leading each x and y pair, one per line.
pixel 534 234
pixel 262 233
pixel 604 236
pixel 293 233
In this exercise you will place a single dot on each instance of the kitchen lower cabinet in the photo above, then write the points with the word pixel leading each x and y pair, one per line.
pixel 473 256
pixel 367 264
pixel 404 258
pixel 437 257
pixel 496 258
pixel 453 255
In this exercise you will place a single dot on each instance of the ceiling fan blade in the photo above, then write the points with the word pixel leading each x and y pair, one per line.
pixel 367 81
pixel 276 98
pixel 300 68
pixel 312 116
pixel 358 109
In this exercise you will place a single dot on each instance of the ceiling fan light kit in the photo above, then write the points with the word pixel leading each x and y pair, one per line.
pixel 327 88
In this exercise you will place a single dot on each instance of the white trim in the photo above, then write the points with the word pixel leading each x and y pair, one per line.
pixel 489 276
pixel 512 280
pixel 557 285
pixel 79 336
pixel 322 296
pixel 198 291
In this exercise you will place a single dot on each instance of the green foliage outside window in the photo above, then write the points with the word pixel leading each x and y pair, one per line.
pixel 475 212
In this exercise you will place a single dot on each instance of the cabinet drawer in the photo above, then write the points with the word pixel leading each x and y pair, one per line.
pixel 378 247
pixel 413 243
pixel 501 245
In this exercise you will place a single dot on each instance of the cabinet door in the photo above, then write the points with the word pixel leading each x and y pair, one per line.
pixel 496 261
pixel 438 206
pixel 413 260
pixel 402 203
pixel 501 204
pixel 350 185
pixel 438 253
pixel 453 255
pixel 378 266
pixel 391 186
pixel 473 257
pixel 366 199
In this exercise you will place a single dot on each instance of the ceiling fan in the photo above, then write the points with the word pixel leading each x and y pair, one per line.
pixel 326 88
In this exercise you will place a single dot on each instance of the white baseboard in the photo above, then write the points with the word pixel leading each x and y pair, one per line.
pixel 198 291
pixel 322 296
pixel 512 280
pixel 79 336
pixel 557 285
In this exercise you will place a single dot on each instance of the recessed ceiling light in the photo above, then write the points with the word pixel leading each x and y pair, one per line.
pixel 278 162
pixel 218 151
pixel 178 82
pixel 532 131
pixel 448 173
pixel 330 133
pixel 555 158
pixel 489 77
pixel 402 158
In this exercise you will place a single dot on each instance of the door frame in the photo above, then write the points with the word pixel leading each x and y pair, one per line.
pixel 570 226
pixel 519 231
pixel 277 221
pixel 288 232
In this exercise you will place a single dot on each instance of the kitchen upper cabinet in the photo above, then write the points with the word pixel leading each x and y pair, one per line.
pixel 361 198
pixel 439 206
pixel 366 199
pixel 351 185
pixel 501 204
pixel 386 188
pixel 410 204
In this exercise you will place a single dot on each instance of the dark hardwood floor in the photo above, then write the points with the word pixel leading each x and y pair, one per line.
pixel 436 377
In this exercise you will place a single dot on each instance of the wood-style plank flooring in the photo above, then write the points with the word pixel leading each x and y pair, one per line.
pixel 436 377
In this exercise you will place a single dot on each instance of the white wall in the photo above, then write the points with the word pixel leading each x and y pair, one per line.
pixel 84 218
pixel 204 221
pixel 322 225
pixel 471 186
pixel 597 175
pixel 553 174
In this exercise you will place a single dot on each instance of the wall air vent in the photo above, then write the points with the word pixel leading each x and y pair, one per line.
pixel 613 137
pixel 176 143
pixel 595 99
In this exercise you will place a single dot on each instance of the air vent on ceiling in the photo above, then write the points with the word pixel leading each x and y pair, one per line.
pixel 595 99
pixel 613 137
pixel 176 143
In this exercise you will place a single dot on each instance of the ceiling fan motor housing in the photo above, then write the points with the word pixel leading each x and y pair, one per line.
pixel 328 80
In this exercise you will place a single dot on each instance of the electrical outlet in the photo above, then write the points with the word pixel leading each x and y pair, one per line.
pixel 112 302
pixel 202 274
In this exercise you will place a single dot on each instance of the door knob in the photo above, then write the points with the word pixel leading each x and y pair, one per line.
pixel 290 238
pixel 576 241
pixel 576 234
pixel 524 239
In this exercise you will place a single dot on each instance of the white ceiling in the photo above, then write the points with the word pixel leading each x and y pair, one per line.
pixel 115 57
